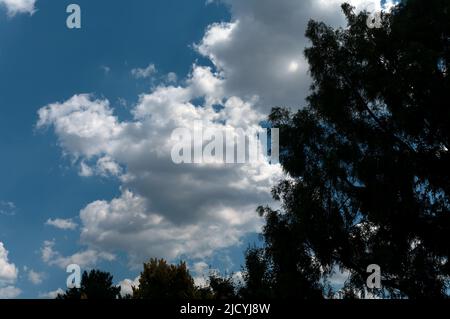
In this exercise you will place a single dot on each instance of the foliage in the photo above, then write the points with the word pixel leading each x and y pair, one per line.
pixel 367 160
pixel 94 285
pixel 159 280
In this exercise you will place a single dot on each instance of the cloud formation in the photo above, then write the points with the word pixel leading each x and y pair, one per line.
pixel 127 285
pixel 168 210
pixel 260 52
pixel 8 275
pixel 165 210
pixel 14 7
pixel 64 224
pixel 86 258
pixel 35 277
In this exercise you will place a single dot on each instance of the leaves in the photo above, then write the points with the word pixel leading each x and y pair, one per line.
pixel 368 159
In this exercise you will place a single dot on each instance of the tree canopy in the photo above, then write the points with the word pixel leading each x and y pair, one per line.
pixel 367 159
pixel 160 280
pixel 94 285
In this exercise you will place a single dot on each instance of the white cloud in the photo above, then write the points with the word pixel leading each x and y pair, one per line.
pixel 126 286
pixel 85 170
pixel 165 210
pixel 35 278
pixel 238 278
pixel 8 275
pixel 8 271
pixel 124 224
pixel 143 73
pixel 84 126
pixel 9 292
pixel 51 294
pixel 201 272
pixel 106 166
pixel 14 7
pixel 64 224
pixel 86 258
pixel 260 52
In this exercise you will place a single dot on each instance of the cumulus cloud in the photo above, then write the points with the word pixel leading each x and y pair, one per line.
pixel 35 277
pixel 64 224
pixel 127 285
pixel 8 271
pixel 168 210
pixel 14 7
pixel 8 275
pixel 260 52
pixel 165 209
pixel 86 258
pixel 83 125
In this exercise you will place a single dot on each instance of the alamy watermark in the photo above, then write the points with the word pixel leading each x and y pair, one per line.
pixel 212 145
pixel 374 280
pixel 74 279
pixel 74 19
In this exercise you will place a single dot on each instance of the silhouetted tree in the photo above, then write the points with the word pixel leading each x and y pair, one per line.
pixel 257 276
pixel 159 280
pixel 94 285
pixel 222 288
pixel 368 159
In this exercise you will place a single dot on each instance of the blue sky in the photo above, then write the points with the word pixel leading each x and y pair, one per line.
pixel 240 55
pixel 41 62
